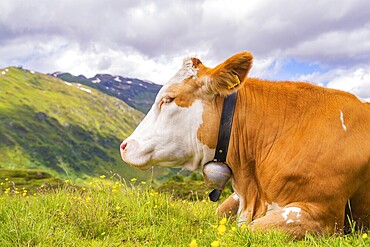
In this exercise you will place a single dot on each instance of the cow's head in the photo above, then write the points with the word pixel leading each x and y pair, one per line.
pixel 181 128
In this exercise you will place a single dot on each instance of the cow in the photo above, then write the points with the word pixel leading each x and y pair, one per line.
pixel 299 153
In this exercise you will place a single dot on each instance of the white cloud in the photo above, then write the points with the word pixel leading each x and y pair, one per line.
pixel 129 63
pixel 149 39
pixel 266 68
pixel 356 81
pixel 336 48
pixel 34 54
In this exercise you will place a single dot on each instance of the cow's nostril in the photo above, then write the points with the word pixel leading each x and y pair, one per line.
pixel 123 146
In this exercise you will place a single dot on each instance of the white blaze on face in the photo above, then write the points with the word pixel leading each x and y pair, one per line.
pixel 168 135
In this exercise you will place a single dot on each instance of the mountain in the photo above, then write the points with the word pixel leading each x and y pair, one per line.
pixel 136 93
pixel 68 129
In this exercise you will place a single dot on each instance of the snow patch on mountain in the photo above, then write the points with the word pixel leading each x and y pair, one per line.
pixel 97 80
pixel 117 79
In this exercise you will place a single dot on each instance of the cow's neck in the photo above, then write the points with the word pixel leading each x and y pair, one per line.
pixel 251 139
pixel 250 136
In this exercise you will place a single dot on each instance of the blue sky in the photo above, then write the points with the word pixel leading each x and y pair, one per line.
pixel 326 42
pixel 291 69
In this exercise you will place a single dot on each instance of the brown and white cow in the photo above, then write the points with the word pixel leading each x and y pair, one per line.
pixel 298 152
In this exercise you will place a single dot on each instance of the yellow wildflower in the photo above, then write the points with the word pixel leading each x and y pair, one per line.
pixel 143 182
pixel 118 208
pixel 67 181
pixel 6 179
pixel 215 243
pixel 364 236
pixel 133 180
pixel 200 231
pixel 102 176
pixel 193 243
pixel 243 226
pixel 103 233
pixel 233 229
pixel 221 229
pixel 223 221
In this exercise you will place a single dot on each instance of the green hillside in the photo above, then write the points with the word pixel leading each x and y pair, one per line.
pixel 67 129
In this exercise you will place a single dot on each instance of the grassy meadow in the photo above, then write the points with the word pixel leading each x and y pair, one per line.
pixel 115 212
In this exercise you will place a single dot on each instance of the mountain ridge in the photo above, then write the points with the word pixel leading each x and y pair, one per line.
pixel 137 93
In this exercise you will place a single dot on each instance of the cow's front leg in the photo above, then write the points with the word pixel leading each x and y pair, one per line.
pixel 298 219
pixel 229 207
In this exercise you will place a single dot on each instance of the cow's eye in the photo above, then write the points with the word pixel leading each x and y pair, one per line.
pixel 166 100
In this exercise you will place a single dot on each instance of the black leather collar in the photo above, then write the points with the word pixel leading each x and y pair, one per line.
pixel 226 123
pixel 224 133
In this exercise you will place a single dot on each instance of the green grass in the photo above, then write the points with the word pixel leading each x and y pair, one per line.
pixel 129 213
pixel 19 180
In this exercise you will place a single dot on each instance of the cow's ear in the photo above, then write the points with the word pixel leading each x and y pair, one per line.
pixel 229 75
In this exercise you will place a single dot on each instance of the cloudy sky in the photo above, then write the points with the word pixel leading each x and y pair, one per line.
pixel 326 42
